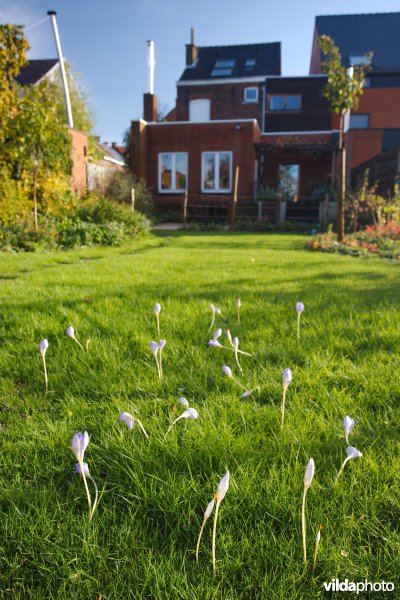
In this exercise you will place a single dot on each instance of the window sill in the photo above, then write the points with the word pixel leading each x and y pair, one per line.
pixel 216 191
pixel 171 191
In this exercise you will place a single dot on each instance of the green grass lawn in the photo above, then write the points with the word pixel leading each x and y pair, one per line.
pixel 141 541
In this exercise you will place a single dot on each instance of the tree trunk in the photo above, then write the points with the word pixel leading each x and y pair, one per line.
pixel 342 180
pixel 35 210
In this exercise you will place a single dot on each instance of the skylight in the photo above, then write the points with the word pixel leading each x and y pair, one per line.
pixel 250 63
pixel 223 68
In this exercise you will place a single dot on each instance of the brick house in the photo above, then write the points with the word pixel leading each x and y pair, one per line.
pixel 234 109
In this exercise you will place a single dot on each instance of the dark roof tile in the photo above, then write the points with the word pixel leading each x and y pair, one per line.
pixel 358 34
pixel 34 70
pixel 267 57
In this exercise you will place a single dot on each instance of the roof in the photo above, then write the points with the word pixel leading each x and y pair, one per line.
pixel 267 61
pixel 358 34
pixel 34 71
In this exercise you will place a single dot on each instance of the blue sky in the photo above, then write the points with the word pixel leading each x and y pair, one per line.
pixel 105 40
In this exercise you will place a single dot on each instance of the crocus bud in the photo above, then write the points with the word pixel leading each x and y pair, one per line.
pixel 190 413
pixel 162 344
pixel 229 337
pixel 85 469
pixel 299 307
pixel 79 444
pixel 227 370
pixel 183 402
pixel 286 378
pixel 128 419
pixel 308 477
pixel 222 488
pixel 348 424
pixel 214 344
pixel 217 334
pixel 235 343
pixel 238 302
pixel 44 344
pixel 153 347
pixel 353 452
pixel 246 394
pixel 212 308
pixel 70 332
pixel 157 308
pixel 217 310
pixel 209 509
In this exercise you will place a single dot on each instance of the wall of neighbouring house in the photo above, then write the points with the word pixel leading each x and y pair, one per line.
pixel 226 101
pixel 79 156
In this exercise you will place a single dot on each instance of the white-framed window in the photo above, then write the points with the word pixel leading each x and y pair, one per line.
pixel 250 94
pixel 216 172
pixel 356 60
pixel 172 172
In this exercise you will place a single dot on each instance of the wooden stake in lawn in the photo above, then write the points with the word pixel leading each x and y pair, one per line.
pixel 185 201
pixel 133 199
pixel 235 190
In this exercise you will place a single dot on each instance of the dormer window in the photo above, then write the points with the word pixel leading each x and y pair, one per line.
pixel 250 63
pixel 223 68
pixel 358 60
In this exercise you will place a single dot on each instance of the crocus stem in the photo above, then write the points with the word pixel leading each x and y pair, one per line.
pixel 160 362
pixel 199 539
pixel 238 382
pixel 79 344
pixel 213 538
pixel 298 327
pixel 142 428
pixel 212 322
pixel 158 324
pixel 341 469
pixel 238 315
pixel 303 523
pixel 86 487
pixel 45 372
pixel 233 350
pixel 170 427
pixel 96 498
pixel 283 406
pixel 316 553
pixel 158 367
pixel 237 361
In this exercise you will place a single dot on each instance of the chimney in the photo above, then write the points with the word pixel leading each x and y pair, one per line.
pixel 191 50
pixel 149 99
pixel 150 108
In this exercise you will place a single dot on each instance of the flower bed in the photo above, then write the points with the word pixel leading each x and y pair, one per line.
pixel 380 240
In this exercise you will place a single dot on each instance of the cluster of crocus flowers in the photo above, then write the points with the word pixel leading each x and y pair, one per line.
pixel 228 372
pixel 130 421
pixel 234 342
pixel 216 501
pixel 286 380
pixel 156 312
pixel 189 413
pixel 44 344
pixel 155 347
pixel 299 310
pixel 79 444
pixel 308 477
pixel 215 311
pixel 70 332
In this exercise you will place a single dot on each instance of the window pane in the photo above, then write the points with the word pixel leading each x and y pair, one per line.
pixel 166 171
pixel 180 171
pixel 224 63
pixel 289 180
pixel 276 103
pixel 293 102
pixel 359 121
pixel 209 171
pixel 221 72
pixel 251 94
pixel 224 171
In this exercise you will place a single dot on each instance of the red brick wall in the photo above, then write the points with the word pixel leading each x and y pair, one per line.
pixel 363 144
pixel 80 158
pixel 226 101
pixel 194 139
pixel 314 168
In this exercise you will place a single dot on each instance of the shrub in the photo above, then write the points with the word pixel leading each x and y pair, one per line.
pixel 120 188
